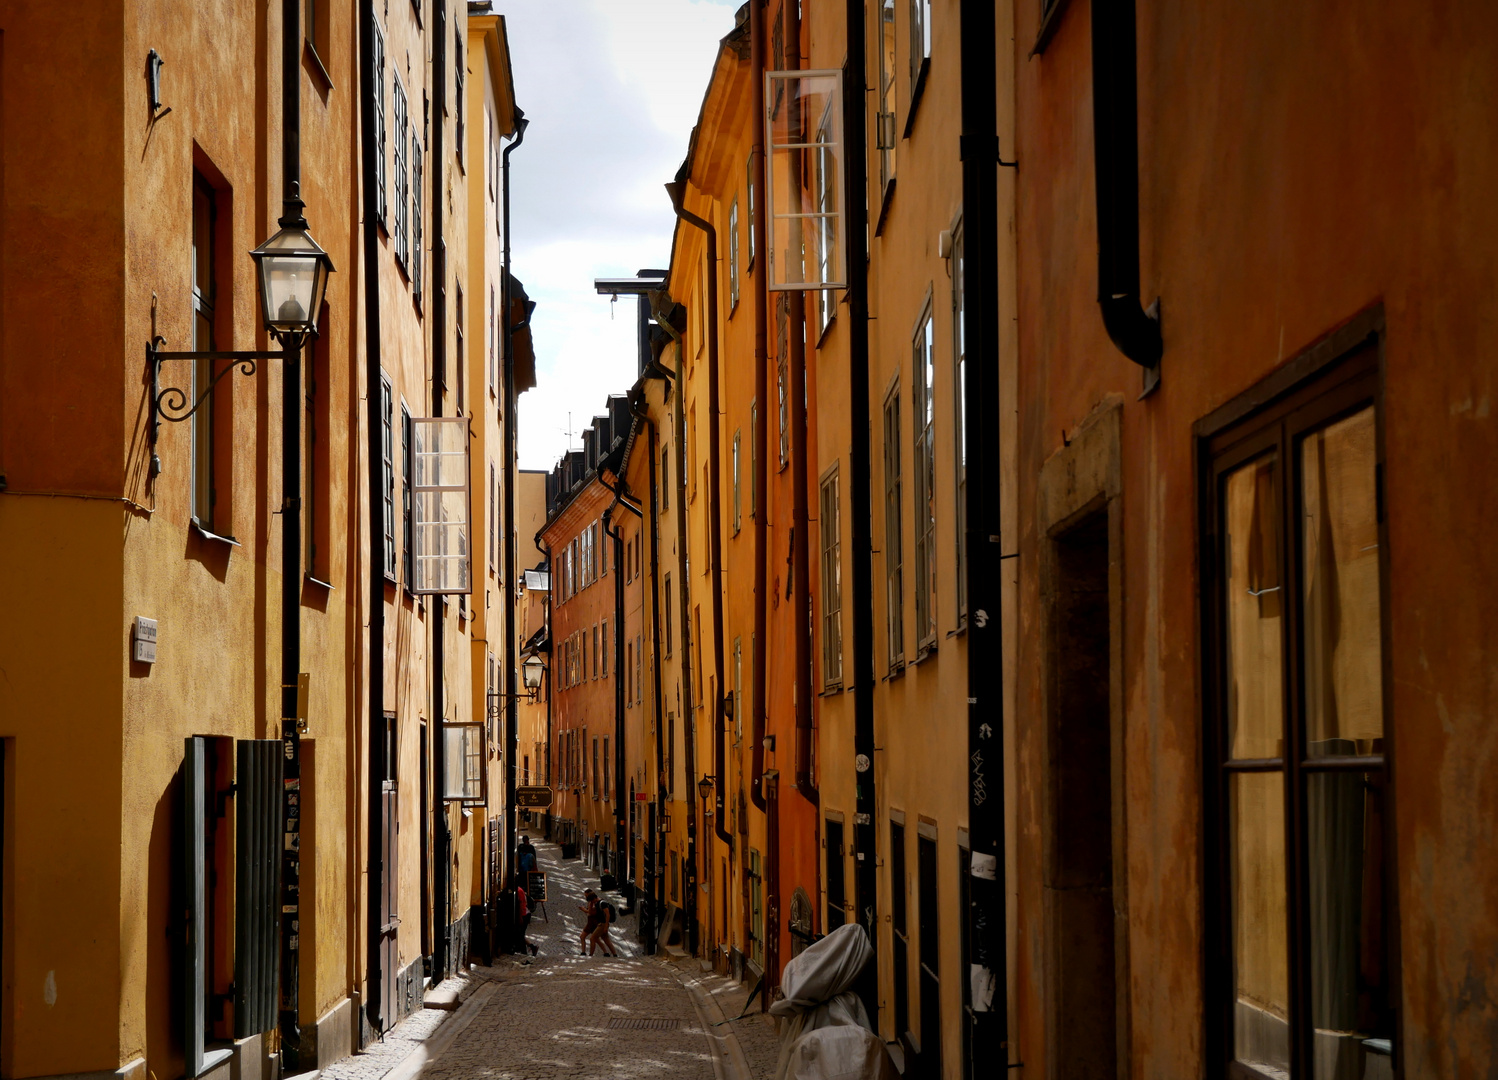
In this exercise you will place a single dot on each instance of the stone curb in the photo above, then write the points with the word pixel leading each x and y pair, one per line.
pixel 412 1064
pixel 729 1062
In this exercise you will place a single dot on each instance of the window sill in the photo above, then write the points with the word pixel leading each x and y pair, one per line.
pixel 308 579
pixel 925 652
pixel 915 96
pixel 896 670
pixel 884 201
pixel 1048 25
pixel 831 690
pixel 208 534
pixel 960 629
pixel 313 63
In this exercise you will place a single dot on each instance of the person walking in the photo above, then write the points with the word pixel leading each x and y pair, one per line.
pixel 607 916
pixel 525 854
pixel 590 913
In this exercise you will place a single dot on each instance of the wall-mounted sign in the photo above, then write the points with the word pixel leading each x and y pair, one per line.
pixel 533 798
pixel 143 640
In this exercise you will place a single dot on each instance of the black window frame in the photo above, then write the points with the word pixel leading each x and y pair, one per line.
pixel 1336 378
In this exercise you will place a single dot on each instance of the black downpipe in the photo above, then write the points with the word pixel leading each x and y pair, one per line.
pixel 761 399
pixel 291 551
pixel 375 688
pixel 512 732
pixel 981 425
pixel 856 246
pixel 657 863
pixel 715 505
pixel 1115 132
pixel 441 839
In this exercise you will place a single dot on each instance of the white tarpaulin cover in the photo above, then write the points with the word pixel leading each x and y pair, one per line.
pixel 826 1033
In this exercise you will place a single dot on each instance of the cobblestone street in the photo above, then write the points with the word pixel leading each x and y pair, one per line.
pixel 562 1014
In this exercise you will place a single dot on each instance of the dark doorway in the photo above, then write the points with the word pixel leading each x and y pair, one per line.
pixel 930 942
pixel 836 887
pixel 390 878
pixel 1080 817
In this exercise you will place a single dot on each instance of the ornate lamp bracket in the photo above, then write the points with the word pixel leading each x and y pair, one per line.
pixel 171 402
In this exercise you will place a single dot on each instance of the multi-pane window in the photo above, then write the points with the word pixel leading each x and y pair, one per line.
pixel 782 390
pixel 886 127
pixel 597 788
pixel 737 485
pixel 959 417
pixel 920 43
pixel 387 462
pixel 603 651
pixel 460 74
pixel 458 357
pixel 894 580
pixel 639 662
pixel 493 517
pixel 832 582
pixel 825 181
pixel 1301 968
pixel 923 423
pixel 738 689
pixel 399 135
pixel 493 341
pixel 377 66
pixel 753 457
pixel 408 546
pixel 733 255
pixel 668 614
pixel 749 187
pixel 439 452
pixel 665 478
pixel 416 211
pixel 607 768
pixel 204 281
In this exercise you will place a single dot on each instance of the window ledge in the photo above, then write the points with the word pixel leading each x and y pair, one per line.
pixel 314 64
pixel 884 201
pixel 925 652
pixel 208 534
pixel 1048 27
pixel 832 689
pixel 308 579
pixel 896 670
pixel 960 629
pixel 915 96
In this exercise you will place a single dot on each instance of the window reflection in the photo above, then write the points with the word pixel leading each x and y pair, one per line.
pixel 1254 644
pixel 1261 1009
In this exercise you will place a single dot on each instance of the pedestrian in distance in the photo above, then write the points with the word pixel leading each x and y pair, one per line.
pixel 607 916
pixel 590 914
pixel 525 854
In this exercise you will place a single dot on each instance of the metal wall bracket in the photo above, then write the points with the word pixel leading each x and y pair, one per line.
pixel 170 403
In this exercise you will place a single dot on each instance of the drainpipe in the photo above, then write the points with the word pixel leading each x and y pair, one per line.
pixel 441 838
pixel 512 734
pixel 689 720
pixel 1115 134
pixel 546 615
pixel 761 400
pixel 375 687
pixel 621 498
pixel 715 504
pixel 800 528
pixel 981 425
pixel 855 243
pixel 657 864
pixel 291 556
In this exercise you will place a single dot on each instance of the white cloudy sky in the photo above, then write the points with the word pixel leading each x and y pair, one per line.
pixel 612 89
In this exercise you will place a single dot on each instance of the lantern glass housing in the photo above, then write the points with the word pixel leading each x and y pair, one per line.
pixel 293 273
pixel 705 786
pixel 531 672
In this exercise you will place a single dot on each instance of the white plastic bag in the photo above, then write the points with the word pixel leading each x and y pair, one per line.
pixel 826 1032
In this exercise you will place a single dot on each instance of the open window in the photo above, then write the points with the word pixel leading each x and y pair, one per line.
pixel 467 765
pixel 804 132
pixel 439 456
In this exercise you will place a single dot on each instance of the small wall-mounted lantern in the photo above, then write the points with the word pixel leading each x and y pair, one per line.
pixel 153 84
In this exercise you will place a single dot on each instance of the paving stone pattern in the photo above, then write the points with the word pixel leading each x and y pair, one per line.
pixel 381 1056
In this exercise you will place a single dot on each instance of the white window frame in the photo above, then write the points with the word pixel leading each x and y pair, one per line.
pixel 830 528
pixel 783 146
pixel 923 447
pixel 446 533
pixel 463 745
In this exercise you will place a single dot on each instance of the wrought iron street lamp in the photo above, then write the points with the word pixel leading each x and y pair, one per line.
pixel 532 671
pixel 293 275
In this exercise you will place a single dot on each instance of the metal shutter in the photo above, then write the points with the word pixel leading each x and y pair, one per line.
pixel 257 885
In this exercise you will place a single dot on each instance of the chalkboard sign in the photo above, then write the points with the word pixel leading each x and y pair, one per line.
pixel 535 886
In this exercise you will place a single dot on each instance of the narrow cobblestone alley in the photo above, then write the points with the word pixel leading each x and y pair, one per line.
pixel 562 1014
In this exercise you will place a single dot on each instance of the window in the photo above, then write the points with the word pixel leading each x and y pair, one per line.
pixel 398 107
pixel 595 651
pixel 597 789
pixel 315 25
pixel 439 452
pixel 670 753
pixel 603 651
pixel 387 462
pixel 959 417
pixel 378 70
pixel 493 342
pixel 204 289
pixel 897 916
pixel 460 73
pixel 316 460
pixel 753 457
pixel 629 675
pixel 607 767
pixel 825 177
pixel 733 255
pixel 639 660
pixel 493 517
pixel 885 130
pixel 894 582
pixel 738 690
pixel 782 394
pixel 666 480
pixel 458 357
pixel 805 242
pixel 920 51
pixel 408 545
pixel 756 910
pixel 930 953
pixel 832 582
pixel 668 614
pixel 690 451
pixel 466 762
pixel 1301 961
pixel 837 913
pixel 737 469
pixel 923 416
pixel 416 211
pixel 749 206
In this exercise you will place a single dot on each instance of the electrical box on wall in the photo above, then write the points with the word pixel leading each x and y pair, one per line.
pixel 143 640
